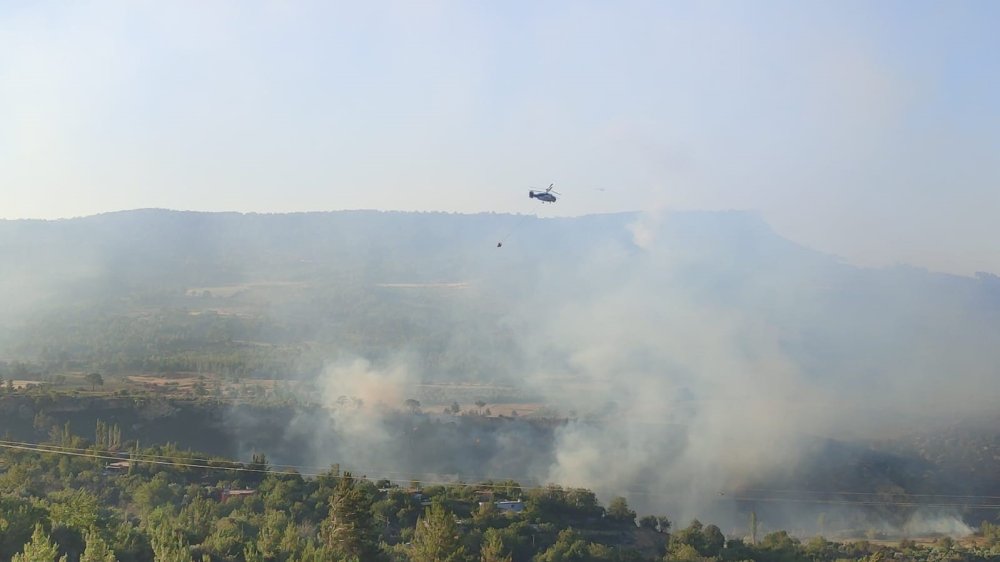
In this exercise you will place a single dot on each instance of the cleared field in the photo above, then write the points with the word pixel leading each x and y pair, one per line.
pixel 160 380
pixel 222 312
pixel 188 379
pixel 459 285
pixel 227 291
pixel 515 409
pixel 21 384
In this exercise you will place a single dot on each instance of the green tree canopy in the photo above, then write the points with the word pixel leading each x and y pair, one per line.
pixel 350 527
pixel 571 547
pixel 436 538
pixel 95 380
pixel 618 511
pixel 39 549
pixel 97 550
pixel 493 549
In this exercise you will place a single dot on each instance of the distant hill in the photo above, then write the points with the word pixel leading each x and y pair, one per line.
pixel 437 285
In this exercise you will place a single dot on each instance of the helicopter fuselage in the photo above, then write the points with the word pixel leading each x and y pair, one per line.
pixel 543 196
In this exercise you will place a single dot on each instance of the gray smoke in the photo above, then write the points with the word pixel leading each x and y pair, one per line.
pixel 698 354
pixel 722 354
pixel 692 355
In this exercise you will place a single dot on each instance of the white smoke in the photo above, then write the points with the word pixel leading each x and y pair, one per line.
pixel 691 362
pixel 703 395
pixel 643 230
pixel 358 382
pixel 924 523
pixel 356 394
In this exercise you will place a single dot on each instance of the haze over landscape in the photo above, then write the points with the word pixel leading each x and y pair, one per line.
pixel 863 130
pixel 257 245
pixel 701 351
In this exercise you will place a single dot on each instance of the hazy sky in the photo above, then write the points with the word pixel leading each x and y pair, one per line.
pixel 867 129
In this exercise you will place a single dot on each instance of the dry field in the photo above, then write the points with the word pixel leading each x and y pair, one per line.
pixel 233 290
pixel 178 381
pixel 184 383
pixel 22 384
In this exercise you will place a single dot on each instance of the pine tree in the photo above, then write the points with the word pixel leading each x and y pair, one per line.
pixel 40 549
pixel 350 529
pixel 252 554
pixel 290 539
pixel 272 533
pixel 492 550
pixel 168 546
pixel 437 538
pixel 315 553
pixel 97 550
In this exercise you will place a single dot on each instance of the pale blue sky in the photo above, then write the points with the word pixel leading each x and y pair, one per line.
pixel 867 129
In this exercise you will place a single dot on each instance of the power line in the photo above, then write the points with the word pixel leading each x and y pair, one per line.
pixel 866 502
pixel 96 455
pixel 854 493
pixel 158 460
pixel 276 468
pixel 237 466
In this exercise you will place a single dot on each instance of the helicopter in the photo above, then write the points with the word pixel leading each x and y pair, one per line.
pixel 544 196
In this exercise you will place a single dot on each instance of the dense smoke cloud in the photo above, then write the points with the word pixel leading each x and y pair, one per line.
pixel 688 396
pixel 693 355
pixel 688 354
pixel 726 352
pixel 365 426
pixel 356 395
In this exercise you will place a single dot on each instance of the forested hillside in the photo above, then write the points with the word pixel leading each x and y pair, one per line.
pixel 106 500
pixel 273 295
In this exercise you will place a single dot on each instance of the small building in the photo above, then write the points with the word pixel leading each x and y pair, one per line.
pixel 119 467
pixel 510 506
pixel 226 494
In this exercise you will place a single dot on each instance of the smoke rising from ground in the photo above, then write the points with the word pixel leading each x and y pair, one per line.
pixel 692 354
pixel 350 385
pixel 695 397
pixel 723 354
pixel 365 427
pixel 695 355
